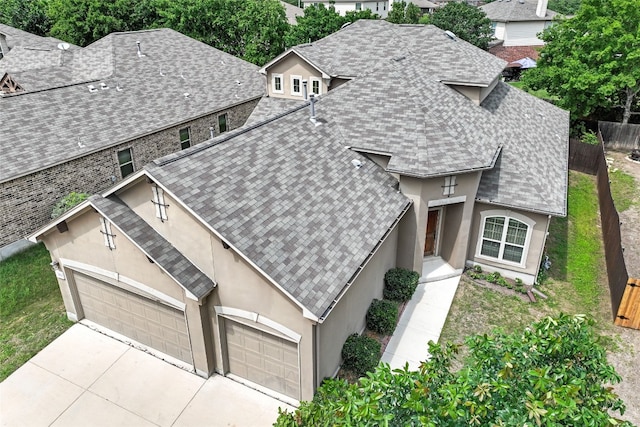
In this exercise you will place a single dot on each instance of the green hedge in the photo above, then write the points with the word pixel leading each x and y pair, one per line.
pixel 400 284
pixel 382 316
pixel 360 354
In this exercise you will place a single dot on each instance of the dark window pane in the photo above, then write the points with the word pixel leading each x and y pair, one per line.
pixel 124 156
pixel 490 248
pixel 222 123
pixel 126 169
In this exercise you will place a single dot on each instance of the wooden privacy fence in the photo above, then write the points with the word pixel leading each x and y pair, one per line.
pixel 591 159
pixel 629 311
pixel 620 136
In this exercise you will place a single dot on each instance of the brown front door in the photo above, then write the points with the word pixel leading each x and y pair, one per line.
pixel 432 229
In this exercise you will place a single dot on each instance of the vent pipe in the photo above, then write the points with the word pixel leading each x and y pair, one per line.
pixel 312 107
pixel 304 89
pixel 139 49
pixel 541 10
pixel 212 132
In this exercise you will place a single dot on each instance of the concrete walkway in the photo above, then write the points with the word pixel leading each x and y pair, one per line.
pixel 424 316
pixel 85 378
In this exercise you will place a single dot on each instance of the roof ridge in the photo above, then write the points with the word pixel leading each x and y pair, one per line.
pixel 174 157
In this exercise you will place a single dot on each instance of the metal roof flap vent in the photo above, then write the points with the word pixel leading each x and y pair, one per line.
pixel 92 88
pixel 451 35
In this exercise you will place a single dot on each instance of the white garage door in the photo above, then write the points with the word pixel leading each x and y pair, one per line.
pixel 263 358
pixel 149 322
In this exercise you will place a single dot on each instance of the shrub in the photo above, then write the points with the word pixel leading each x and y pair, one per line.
pixel 382 316
pixel 67 202
pixel 360 354
pixel 400 284
pixel 477 269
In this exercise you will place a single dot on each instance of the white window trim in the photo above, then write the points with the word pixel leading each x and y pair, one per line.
pixel 105 229
pixel 315 79
pixel 449 187
pixel 293 77
pixel 506 215
pixel 120 165
pixel 273 83
pixel 159 203
pixel 188 129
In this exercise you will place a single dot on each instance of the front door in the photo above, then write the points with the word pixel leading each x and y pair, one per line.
pixel 430 240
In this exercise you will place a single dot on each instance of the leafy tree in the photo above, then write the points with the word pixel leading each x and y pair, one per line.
pixel 253 30
pixel 82 22
pixel 465 21
pixel 591 61
pixel 565 7
pixel 319 21
pixel 26 15
pixel 67 202
pixel 553 373
pixel 403 13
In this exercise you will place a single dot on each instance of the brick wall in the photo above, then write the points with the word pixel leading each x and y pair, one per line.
pixel 26 202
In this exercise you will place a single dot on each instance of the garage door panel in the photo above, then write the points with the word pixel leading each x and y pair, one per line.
pixel 149 322
pixel 263 358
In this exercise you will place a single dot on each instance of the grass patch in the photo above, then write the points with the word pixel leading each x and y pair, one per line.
pixel 624 189
pixel 32 313
pixel 577 279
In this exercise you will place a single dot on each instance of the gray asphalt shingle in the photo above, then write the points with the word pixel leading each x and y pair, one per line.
pixel 154 245
pixel 287 196
pixel 514 10
pixel 54 125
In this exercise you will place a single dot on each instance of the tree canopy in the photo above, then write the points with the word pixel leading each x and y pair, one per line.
pixel 26 15
pixel 552 373
pixel 565 7
pixel 465 21
pixel 403 13
pixel 591 61
pixel 319 21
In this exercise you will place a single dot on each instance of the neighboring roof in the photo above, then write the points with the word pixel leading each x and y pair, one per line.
pixel 57 118
pixel 16 37
pixel 425 4
pixel 515 10
pixel 291 12
pixel 286 195
pixel 358 48
pixel 165 255
pixel 513 53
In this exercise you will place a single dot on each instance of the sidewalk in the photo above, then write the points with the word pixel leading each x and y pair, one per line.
pixel 424 316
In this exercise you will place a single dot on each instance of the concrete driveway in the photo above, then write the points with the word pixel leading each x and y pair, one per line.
pixel 85 378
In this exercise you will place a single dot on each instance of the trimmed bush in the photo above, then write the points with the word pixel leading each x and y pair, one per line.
pixel 400 284
pixel 382 316
pixel 360 354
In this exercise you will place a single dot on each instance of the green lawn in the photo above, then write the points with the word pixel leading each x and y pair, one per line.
pixel 624 189
pixel 31 310
pixel 576 284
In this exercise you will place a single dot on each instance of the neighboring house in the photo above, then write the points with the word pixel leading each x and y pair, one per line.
pixel 380 8
pixel 518 22
pixel 257 253
pixel 82 119
pixel 426 7
pixel 292 12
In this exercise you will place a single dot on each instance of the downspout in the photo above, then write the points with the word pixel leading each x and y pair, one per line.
pixel 546 235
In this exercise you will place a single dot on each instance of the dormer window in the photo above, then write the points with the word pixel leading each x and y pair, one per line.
pixel 276 83
pixel 105 229
pixel 449 186
pixel 296 85
pixel 159 203
pixel 315 85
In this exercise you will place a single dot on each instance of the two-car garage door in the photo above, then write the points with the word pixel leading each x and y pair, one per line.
pixel 146 321
pixel 263 358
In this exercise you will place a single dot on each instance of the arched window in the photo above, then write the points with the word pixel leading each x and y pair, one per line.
pixel 504 238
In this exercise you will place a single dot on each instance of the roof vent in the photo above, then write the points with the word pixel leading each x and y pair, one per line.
pixel 356 163
pixel 118 88
pixel 187 95
pixel 521 1
pixel 451 35
pixel 345 24
pixel 104 86
pixel 140 54
pixel 92 88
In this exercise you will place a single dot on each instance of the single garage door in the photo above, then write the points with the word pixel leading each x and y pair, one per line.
pixel 149 322
pixel 263 358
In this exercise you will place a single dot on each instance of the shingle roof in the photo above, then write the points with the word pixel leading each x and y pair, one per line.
pixel 269 107
pixel 360 47
pixel 51 126
pixel 16 37
pixel 286 195
pixel 154 245
pixel 291 12
pixel 514 10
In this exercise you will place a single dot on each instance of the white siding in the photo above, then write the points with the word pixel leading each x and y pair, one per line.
pixel 523 33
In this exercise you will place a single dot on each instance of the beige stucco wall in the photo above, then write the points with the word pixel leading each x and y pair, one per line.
pixel 239 285
pixel 535 248
pixel 454 232
pixel 290 65
pixel 83 243
pixel 348 316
